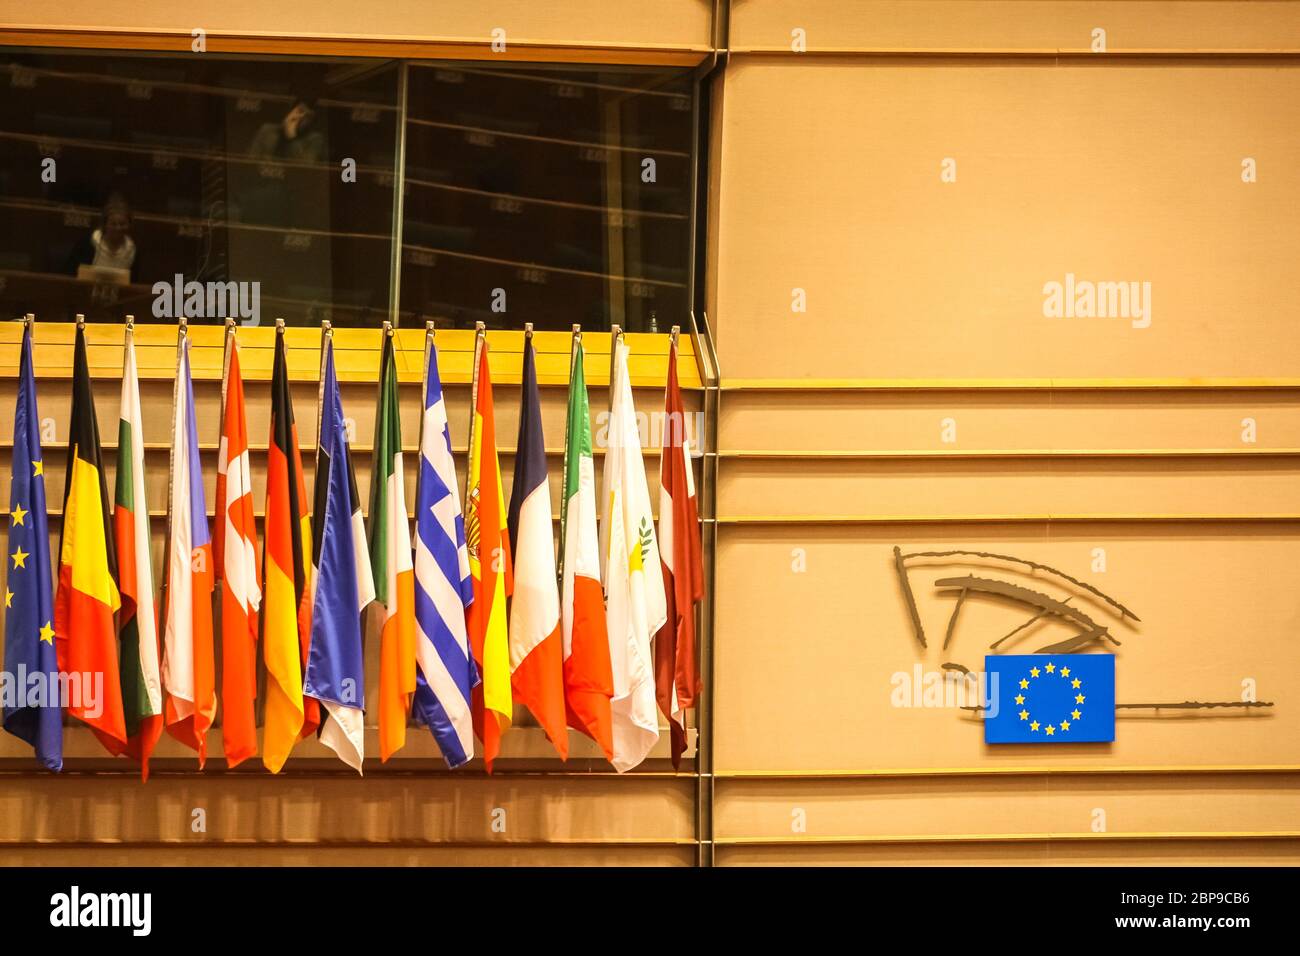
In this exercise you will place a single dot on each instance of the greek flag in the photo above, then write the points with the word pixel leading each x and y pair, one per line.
pixel 443 588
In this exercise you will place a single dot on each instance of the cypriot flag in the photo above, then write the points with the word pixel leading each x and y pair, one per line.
pixel 634 586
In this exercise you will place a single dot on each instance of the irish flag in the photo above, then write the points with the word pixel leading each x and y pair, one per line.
pixel 87 598
pixel 390 559
pixel 536 651
pixel 138 628
pixel 588 680
pixel 235 559
pixel 490 570
pixel 188 668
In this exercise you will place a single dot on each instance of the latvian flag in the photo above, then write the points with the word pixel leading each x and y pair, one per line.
pixel 676 676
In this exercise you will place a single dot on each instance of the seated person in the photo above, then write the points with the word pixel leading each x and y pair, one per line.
pixel 110 246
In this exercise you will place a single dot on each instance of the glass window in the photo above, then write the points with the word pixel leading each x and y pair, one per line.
pixel 264 187
pixel 148 184
pixel 547 195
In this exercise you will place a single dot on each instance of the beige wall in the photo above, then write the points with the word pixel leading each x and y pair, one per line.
pixel 925 304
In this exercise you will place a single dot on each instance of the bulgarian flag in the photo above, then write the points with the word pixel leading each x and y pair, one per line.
pixel 138 623
pixel 490 570
pixel 536 649
pixel 286 629
pixel 188 669
pixel 391 561
pixel 588 678
pixel 87 598
pixel 677 679
pixel 235 560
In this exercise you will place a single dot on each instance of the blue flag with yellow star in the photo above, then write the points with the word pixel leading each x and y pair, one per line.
pixel 29 686
pixel 1050 699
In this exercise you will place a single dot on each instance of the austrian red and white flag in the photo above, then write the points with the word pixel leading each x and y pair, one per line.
pixel 235 557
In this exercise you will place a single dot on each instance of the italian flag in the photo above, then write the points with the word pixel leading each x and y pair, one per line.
pixel 391 561
pixel 588 677
pixel 138 628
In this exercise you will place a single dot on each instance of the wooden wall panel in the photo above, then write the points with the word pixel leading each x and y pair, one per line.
pixel 962 806
pixel 1025 420
pixel 1017 25
pixel 925 312
pixel 1109 171
pixel 1097 850
pixel 421 810
pixel 828 641
pixel 408 25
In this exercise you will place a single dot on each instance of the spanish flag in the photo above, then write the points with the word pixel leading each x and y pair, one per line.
pixel 490 570
pixel 87 598
pixel 286 599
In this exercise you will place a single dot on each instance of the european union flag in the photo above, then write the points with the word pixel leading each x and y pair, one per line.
pixel 31 698
pixel 1050 699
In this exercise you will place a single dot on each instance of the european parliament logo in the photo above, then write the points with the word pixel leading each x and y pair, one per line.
pixel 1051 698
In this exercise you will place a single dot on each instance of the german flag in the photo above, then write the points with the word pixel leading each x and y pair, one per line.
pixel 286 622
pixel 87 598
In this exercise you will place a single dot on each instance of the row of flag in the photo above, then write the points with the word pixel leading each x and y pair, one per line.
pixel 479 613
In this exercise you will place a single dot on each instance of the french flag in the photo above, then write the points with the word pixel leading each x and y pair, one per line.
pixel 536 649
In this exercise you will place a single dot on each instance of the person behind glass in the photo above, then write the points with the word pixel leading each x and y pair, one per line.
pixel 294 138
pixel 109 246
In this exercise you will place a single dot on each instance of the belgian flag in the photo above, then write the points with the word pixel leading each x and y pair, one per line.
pixel 87 598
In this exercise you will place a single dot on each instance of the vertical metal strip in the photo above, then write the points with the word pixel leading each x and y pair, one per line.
pixel 399 199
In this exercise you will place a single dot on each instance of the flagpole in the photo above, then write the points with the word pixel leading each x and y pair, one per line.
pixel 182 330
pixel 615 333
pixel 326 341
pixel 227 347
pixel 424 397
pixel 384 341
pixel 564 498
pixel 480 339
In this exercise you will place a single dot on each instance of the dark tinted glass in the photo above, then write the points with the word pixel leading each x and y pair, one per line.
pixel 260 187
pixel 120 172
pixel 546 195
